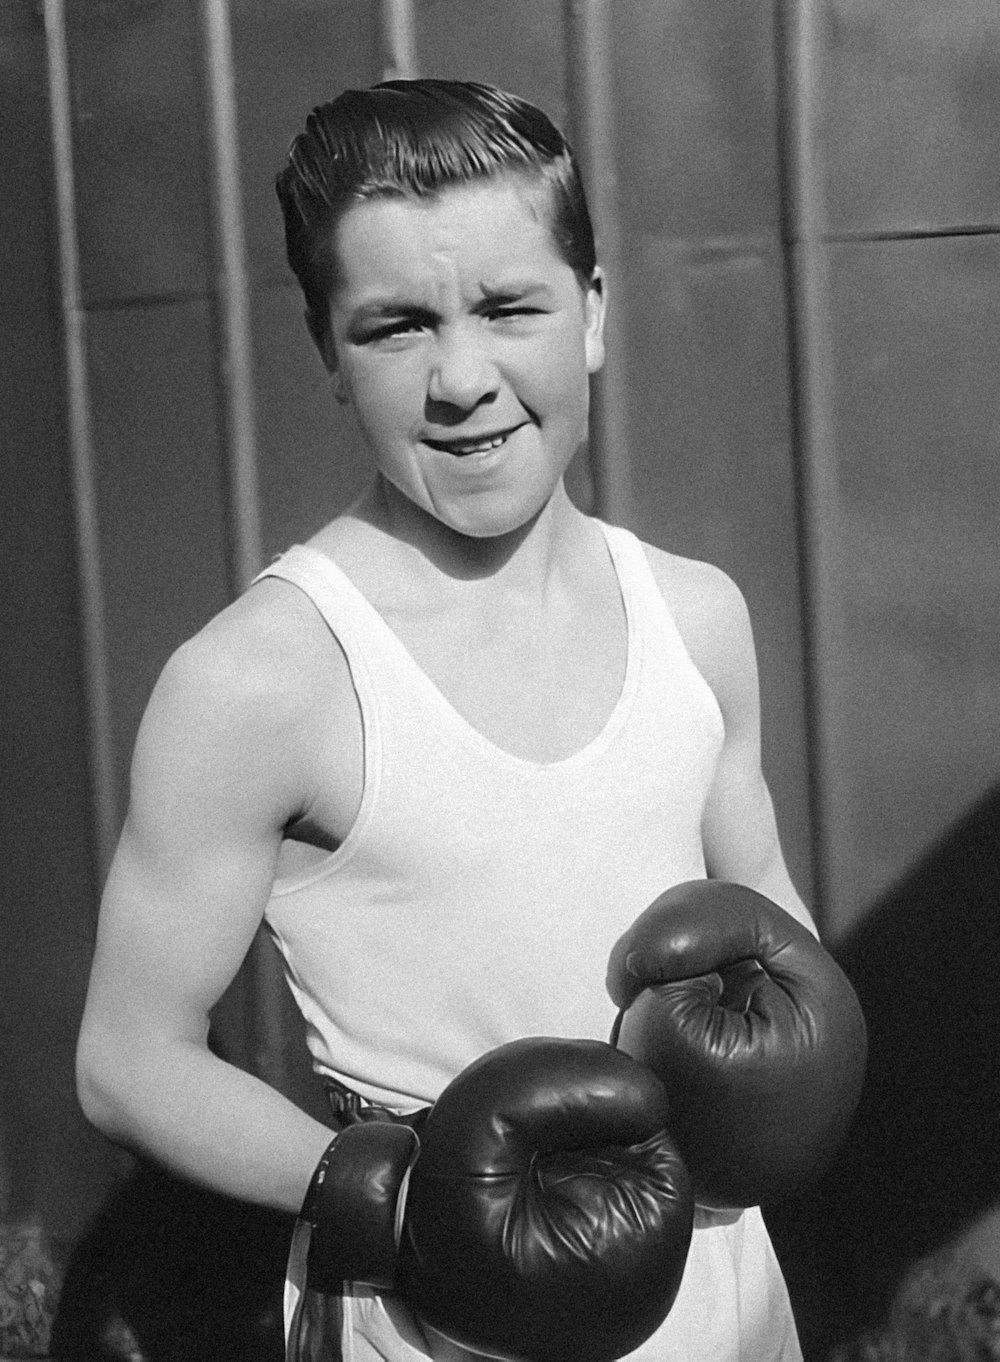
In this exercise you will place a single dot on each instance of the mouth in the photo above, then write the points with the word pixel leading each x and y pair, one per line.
pixel 463 447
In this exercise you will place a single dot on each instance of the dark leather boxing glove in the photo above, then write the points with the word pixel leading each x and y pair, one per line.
pixel 547 1214
pixel 355 1205
pixel 754 1030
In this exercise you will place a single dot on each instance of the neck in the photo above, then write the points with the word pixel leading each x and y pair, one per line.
pixel 524 558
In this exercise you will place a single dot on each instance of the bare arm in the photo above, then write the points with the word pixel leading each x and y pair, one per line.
pixel 218 770
pixel 739 832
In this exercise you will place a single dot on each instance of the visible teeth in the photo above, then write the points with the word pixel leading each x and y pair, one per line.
pixel 481 448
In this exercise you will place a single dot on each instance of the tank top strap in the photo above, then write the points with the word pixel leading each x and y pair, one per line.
pixel 348 616
pixel 645 601
pixel 345 610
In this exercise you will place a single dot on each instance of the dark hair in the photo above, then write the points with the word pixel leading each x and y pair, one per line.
pixel 414 138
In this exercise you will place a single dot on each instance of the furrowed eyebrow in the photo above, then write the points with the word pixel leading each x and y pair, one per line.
pixel 514 291
pixel 392 307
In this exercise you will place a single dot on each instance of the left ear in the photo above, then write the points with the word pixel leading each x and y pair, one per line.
pixel 595 306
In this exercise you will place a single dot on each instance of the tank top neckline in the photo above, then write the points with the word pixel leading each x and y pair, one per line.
pixel 454 719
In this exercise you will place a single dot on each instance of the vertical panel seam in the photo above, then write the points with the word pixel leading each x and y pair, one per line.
pixel 589 98
pixel 90 576
pixel 395 40
pixel 231 290
pixel 806 267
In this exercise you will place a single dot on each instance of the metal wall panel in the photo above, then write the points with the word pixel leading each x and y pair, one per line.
pixel 312 462
pixel 901 139
pixel 697 120
pixel 26 238
pixel 516 44
pixel 139 149
pixel 289 57
pixel 910 117
pixel 53 1167
pixel 160 492
pixel 917 402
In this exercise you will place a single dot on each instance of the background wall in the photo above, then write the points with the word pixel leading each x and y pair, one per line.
pixel 799 205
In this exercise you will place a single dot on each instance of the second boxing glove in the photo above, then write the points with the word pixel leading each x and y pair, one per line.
pixel 754 1030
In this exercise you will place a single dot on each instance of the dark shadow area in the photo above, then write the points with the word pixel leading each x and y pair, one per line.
pixel 172 1273
pixel 923 1158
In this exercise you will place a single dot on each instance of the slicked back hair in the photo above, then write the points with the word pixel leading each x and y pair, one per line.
pixel 414 138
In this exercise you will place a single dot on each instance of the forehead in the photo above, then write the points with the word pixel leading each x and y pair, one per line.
pixel 492 230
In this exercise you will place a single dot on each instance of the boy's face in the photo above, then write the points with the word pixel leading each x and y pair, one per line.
pixel 463 341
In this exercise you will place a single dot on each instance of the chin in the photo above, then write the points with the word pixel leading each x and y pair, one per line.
pixel 493 524
pixel 496 514
pixel 489 512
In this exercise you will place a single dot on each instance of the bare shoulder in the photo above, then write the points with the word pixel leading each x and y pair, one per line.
pixel 259 660
pixel 711 615
pixel 249 702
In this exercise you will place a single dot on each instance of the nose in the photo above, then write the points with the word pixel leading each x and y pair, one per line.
pixel 463 375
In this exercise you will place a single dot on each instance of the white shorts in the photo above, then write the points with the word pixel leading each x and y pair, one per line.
pixel 733 1306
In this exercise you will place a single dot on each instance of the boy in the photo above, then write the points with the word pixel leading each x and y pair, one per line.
pixel 451 747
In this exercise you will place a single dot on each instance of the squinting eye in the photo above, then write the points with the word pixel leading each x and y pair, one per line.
pixel 393 330
pixel 500 313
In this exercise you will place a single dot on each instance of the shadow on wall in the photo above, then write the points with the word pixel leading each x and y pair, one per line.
pixel 922 1163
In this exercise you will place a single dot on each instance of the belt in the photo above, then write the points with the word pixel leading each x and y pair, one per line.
pixel 349 1108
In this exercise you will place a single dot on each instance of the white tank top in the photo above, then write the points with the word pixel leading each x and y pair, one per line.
pixel 478 894
pixel 475 901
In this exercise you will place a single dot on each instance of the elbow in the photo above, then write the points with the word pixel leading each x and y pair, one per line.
pixel 100 1089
